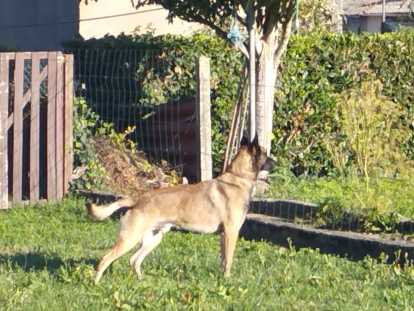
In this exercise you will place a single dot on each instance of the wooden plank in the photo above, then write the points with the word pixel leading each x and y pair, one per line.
pixel 28 95
pixel 9 55
pixel 68 152
pixel 35 128
pixel 51 127
pixel 4 102
pixel 41 54
pixel 18 128
pixel 9 120
pixel 60 134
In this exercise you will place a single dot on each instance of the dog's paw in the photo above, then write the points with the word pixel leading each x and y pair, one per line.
pixel 90 208
pixel 138 272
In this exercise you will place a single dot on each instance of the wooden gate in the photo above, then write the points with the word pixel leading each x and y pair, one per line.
pixel 35 125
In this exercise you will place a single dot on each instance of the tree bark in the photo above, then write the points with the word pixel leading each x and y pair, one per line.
pixel 265 95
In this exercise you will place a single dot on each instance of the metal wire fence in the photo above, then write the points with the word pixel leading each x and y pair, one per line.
pixel 136 88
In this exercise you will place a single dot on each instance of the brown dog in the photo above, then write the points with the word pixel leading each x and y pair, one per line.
pixel 215 205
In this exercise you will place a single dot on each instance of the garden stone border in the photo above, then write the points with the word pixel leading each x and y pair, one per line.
pixel 351 245
pixel 289 209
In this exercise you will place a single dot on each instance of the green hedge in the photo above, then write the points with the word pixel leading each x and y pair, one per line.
pixel 316 68
pixel 319 66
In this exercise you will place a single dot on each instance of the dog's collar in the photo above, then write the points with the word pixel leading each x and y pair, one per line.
pixel 241 176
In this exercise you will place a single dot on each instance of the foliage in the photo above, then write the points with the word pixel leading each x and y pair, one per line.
pixel 378 207
pixel 86 122
pixel 272 18
pixel 47 254
pixel 372 134
pixel 317 15
pixel 320 66
pixel 87 125
pixel 108 160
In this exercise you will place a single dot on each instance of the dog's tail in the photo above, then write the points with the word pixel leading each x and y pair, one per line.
pixel 100 212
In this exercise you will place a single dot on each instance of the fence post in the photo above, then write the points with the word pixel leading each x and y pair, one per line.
pixel 4 102
pixel 203 118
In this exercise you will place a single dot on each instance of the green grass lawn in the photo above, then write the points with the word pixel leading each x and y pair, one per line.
pixel 47 254
pixel 381 205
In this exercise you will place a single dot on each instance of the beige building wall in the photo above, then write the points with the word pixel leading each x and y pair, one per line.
pixel 155 18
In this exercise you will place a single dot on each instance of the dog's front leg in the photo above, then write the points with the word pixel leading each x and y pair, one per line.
pixel 222 251
pixel 229 240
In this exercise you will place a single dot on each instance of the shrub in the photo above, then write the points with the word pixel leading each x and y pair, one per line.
pixel 85 126
pixel 372 132
pixel 110 161
pixel 320 66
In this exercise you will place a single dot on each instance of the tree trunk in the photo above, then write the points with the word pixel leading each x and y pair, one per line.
pixel 265 94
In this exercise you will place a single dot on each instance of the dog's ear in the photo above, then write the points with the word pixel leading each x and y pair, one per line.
pixel 255 141
pixel 244 141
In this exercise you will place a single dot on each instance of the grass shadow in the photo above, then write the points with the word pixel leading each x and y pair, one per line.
pixel 34 261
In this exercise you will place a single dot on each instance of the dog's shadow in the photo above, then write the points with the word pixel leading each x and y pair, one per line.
pixel 34 261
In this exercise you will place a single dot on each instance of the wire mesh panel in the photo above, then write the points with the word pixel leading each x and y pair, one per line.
pixel 136 88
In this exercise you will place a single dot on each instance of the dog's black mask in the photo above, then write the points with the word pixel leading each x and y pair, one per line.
pixel 269 165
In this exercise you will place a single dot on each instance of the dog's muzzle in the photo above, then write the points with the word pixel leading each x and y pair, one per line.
pixel 269 165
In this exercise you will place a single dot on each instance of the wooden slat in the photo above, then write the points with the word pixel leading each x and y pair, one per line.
pixel 9 120
pixel 9 55
pixel 68 153
pixel 28 95
pixel 51 127
pixel 41 54
pixel 18 128
pixel 35 128
pixel 4 101
pixel 60 133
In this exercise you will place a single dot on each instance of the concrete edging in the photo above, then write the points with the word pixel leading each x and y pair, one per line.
pixel 290 209
pixel 351 245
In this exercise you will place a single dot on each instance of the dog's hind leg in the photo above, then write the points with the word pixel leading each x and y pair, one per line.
pixel 121 247
pixel 131 232
pixel 150 241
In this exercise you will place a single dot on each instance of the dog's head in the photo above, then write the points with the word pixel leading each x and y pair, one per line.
pixel 251 158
